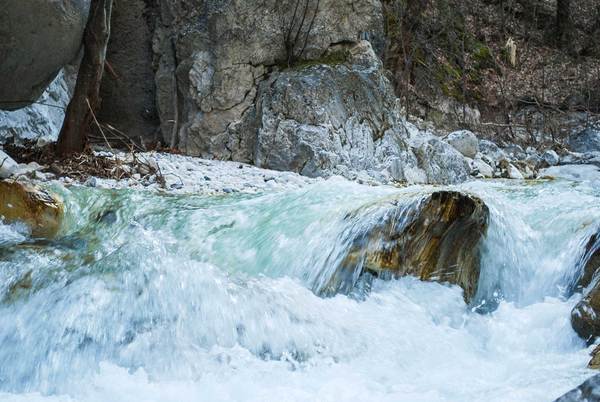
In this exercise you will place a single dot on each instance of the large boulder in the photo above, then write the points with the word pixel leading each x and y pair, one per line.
pixel 212 55
pixel 589 391
pixel 585 141
pixel 585 317
pixel 319 120
pixel 436 238
pixel 37 39
pixel 342 118
pixel 40 210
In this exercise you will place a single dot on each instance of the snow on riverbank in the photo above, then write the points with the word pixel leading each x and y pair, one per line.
pixel 186 174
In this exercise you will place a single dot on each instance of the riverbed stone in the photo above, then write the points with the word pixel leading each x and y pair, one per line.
pixel 465 142
pixel 550 157
pixel 480 168
pixel 509 170
pixel 436 238
pixel 39 209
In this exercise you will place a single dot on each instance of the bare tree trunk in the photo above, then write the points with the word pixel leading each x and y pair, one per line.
pixel 86 98
pixel 563 22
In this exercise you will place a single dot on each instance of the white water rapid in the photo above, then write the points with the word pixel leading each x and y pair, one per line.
pixel 149 297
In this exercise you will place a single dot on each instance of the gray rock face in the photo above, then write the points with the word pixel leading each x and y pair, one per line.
pixel 464 142
pixel 37 39
pixel 212 57
pixel 322 119
pixel 585 141
pixel 589 391
pixel 40 122
pixel 343 119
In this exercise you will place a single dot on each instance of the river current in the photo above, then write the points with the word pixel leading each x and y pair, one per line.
pixel 161 297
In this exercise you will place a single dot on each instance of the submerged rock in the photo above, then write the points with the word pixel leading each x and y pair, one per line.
pixel 585 317
pixel 435 239
pixel 41 211
pixel 589 391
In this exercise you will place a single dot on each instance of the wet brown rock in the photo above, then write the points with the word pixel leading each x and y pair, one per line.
pixel 585 317
pixel 435 239
pixel 590 260
pixel 37 208
pixel 595 362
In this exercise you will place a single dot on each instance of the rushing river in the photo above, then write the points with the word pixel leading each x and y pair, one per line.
pixel 149 297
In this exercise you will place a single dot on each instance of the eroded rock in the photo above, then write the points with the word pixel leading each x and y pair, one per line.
pixel 40 210
pixel 310 124
pixel 434 239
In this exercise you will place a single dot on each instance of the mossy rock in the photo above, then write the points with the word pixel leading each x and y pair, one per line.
pixel 330 58
pixel 436 239
pixel 40 210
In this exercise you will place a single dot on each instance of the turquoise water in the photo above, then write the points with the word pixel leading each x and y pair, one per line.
pixel 213 298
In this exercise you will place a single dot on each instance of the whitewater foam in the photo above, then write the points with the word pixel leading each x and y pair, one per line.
pixel 203 298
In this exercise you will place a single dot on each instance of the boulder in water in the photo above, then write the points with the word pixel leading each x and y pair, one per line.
pixel 585 317
pixel 40 210
pixel 435 239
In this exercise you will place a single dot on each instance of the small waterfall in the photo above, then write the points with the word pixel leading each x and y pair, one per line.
pixel 216 298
